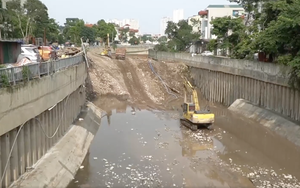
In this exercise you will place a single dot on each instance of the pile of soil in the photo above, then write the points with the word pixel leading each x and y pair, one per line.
pixel 132 80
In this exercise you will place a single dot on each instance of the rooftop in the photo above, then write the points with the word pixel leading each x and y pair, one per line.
pixel 224 6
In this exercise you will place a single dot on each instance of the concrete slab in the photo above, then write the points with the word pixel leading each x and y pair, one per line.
pixel 59 166
pixel 282 126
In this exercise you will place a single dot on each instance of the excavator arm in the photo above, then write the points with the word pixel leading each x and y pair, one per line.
pixel 188 86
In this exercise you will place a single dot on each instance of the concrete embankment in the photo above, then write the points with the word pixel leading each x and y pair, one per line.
pixel 224 80
pixel 59 166
pixel 286 132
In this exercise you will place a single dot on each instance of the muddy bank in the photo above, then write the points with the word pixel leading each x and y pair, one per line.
pixel 134 81
pixel 59 166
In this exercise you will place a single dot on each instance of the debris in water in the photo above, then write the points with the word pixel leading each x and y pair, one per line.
pixel 80 119
pixel 288 176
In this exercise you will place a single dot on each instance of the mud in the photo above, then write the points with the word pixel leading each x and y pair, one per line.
pixel 133 81
pixel 141 144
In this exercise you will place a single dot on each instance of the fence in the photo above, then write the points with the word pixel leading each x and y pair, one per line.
pixel 13 75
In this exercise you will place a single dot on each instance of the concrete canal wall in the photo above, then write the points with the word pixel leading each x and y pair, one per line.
pixel 254 90
pixel 225 80
pixel 34 116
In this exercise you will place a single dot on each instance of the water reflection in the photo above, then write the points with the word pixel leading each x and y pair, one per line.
pixel 83 177
pixel 191 143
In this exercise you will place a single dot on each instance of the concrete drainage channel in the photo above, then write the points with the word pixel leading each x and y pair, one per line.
pixel 59 166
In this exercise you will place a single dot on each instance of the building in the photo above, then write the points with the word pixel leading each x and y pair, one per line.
pixel 134 24
pixel 9 51
pixel 216 11
pixel 178 15
pixel 163 25
pixel 195 22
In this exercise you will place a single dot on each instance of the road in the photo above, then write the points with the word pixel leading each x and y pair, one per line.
pixel 149 148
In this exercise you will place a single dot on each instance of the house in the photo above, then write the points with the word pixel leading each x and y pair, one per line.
pixel 9 51
pixel 217 11
pixel 195 22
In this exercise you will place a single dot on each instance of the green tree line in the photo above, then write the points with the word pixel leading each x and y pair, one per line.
pixel 32 20
pixel 271 27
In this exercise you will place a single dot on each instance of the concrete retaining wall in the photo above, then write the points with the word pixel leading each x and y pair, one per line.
pixel 34 116
pixel 264 139
pixel 21 103
pixel 59 166
pixel 224 80
pixel 280 125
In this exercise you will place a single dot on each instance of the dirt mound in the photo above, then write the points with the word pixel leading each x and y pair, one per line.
pixel 134 79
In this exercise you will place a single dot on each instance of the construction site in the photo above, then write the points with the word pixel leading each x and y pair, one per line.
pixel 143 142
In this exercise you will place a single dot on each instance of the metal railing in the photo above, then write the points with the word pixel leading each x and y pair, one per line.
pixel 35 70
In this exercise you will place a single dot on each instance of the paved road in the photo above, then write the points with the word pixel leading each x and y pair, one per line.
pixel 151 149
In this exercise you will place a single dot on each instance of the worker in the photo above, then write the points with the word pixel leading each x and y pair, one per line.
pixel 109 51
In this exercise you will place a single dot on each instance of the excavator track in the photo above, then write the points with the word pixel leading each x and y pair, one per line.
pixel 194 127
pixel 188 124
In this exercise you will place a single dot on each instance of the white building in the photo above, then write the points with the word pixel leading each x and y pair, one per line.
pixel 216 11
pixel 178 15
pixel 134 24
pixel 195 22
pixel 163 25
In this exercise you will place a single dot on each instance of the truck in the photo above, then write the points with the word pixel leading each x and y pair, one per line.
pixel 121 53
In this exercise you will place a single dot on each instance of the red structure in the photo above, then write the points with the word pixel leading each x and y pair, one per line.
pixel 203 13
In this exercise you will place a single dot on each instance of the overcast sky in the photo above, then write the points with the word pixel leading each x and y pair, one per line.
pixel 148 13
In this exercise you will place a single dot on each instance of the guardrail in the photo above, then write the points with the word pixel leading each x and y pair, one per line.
pixel 10 76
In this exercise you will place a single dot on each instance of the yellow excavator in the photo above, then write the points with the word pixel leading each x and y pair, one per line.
pixel 193 117
pixel 106 51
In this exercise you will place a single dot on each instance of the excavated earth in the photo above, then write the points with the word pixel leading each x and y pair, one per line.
pixel 133 81
pixel 142 144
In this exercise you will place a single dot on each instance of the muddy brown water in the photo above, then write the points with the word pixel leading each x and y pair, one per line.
pixel 149 148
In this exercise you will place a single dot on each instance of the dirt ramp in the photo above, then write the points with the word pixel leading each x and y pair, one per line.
pixel 135 80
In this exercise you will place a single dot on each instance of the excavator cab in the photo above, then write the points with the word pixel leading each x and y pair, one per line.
pixel 188 107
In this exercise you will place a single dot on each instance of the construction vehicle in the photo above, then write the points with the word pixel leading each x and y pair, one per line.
pixel 193 118
pixel 106 51
pixel 121 53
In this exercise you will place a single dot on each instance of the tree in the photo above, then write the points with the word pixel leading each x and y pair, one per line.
pixel 102 29
pixel 230 33
pixel 134 40
pixel 281 37
pixel 52 30
pixel 180 35
pixel 147 37
pixel 162 39
pixel 124 34
pixel 30 20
